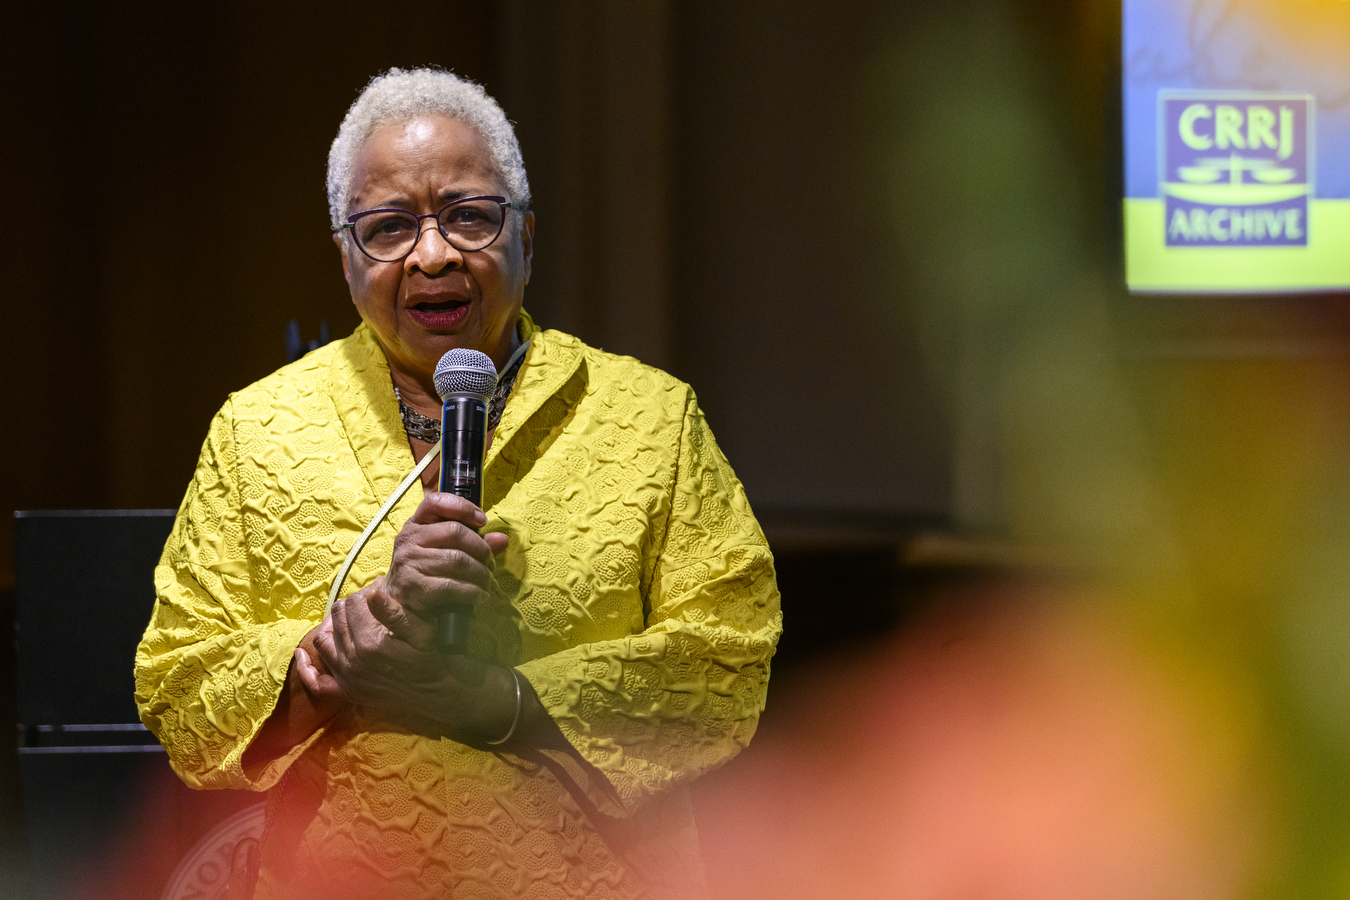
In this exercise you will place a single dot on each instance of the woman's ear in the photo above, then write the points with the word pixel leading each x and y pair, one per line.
pixel 342 248
pixel 526 241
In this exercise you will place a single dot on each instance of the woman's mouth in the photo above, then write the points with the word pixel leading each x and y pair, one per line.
pixel 438 316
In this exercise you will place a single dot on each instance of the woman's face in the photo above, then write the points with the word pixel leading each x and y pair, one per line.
pixel 437 298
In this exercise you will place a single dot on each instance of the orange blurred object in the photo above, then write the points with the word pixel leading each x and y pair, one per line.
pixel 1018 747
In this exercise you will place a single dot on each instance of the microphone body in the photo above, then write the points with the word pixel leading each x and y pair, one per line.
pixel 463 436
pixel 465 379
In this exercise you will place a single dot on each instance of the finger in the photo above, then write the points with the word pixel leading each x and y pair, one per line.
pixel 319 685
pixel 411 629
pixel 313 657
pixel 497 543
pixel 450 536
pixel 423 571
pixel 368 635
pixel 433 593
pixel 447 550
pixel 325 645
pixel 347 627
pixel 453 563
pixel 438 507
pixel 309 675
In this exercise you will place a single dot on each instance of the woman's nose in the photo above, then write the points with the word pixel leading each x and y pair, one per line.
pixel 432 254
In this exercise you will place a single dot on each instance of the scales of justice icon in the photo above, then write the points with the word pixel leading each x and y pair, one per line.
pixel 1202 182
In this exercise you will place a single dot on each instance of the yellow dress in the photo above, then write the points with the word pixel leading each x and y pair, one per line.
pixel 637 596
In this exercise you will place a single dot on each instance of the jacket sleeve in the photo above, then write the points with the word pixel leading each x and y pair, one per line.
pixel 684 696
pixel 212 663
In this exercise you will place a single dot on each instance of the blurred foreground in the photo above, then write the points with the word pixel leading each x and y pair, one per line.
pixel 1020 743
pixel 1143 689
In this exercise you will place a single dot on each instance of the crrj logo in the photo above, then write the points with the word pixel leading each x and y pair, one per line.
pixel 1236 168
pixel 1228 128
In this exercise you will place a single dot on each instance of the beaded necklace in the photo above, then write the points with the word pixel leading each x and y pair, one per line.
pixel 427 429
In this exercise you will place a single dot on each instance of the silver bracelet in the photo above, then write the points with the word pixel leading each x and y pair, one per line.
pixel 516 719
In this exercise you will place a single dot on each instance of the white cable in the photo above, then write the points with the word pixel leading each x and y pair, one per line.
pixel 389 504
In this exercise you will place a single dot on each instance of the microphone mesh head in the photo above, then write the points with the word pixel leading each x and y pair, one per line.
pixel 465 372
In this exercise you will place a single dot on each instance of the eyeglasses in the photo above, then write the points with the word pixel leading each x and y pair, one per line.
pixel 389 235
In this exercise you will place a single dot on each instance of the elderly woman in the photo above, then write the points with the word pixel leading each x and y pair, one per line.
pixel 625 603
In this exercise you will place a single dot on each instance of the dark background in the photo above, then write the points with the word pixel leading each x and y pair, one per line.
pixel 856 207
pixel 709 182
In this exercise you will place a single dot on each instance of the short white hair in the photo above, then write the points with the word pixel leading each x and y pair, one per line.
pixel 401 95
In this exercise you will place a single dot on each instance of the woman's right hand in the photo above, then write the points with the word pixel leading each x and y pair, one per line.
pixel 439 556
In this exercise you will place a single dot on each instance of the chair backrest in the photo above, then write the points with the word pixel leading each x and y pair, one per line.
pixel 92 776
pixel 84 590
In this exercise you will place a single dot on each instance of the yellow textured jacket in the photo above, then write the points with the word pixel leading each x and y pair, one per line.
pixel 637 596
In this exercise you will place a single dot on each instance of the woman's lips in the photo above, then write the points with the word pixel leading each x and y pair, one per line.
pixel 438 316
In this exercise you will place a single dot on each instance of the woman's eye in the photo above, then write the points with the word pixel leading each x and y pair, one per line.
pixel 466 215
pixel 386 228
pixel 393 226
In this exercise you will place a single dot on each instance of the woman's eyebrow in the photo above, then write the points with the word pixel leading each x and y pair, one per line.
pixel 396 202
pixel 401 201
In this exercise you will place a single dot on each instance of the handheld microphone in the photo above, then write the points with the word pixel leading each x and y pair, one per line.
pixel 466 380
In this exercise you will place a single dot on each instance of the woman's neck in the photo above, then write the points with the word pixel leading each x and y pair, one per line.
pixel 414 393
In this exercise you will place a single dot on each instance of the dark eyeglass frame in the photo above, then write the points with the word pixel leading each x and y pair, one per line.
pixel 436 216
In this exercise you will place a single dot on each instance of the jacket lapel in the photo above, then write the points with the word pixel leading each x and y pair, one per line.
pixel 363 394
pixel 551 361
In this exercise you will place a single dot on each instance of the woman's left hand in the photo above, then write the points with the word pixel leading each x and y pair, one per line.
pixel 384 659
